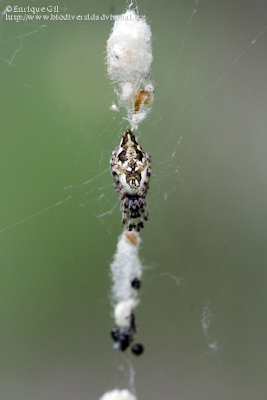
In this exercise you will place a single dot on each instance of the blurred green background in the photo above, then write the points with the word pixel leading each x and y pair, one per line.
pixel 60 215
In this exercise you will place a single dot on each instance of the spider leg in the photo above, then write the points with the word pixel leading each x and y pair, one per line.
pixel 121 192
pixel 145 215
pixel 140 224
pixel 143 191
pixel 131 224
pixel 142 205
pixel 115 171
pixel 148 165
pixel 125 210
pixel 133 209
pixel 131 214
pixel 124 217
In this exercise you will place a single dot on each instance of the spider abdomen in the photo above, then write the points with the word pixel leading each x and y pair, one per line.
pixel 132 180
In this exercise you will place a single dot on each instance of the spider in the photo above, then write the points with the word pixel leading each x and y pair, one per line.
pixel 131 169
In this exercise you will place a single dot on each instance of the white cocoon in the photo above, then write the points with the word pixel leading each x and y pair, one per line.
pixel 125 267
pixel 129 58
pixel 129 50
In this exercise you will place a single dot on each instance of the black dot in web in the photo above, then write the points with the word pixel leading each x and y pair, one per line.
pixel 137 349
pixel 136 283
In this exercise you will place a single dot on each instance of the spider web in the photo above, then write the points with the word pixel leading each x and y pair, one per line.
pixel 203 249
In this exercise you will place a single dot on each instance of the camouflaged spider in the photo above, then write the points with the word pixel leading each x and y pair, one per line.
pixel 131 169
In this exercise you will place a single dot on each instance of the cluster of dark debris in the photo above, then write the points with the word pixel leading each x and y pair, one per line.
pixel 123 337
